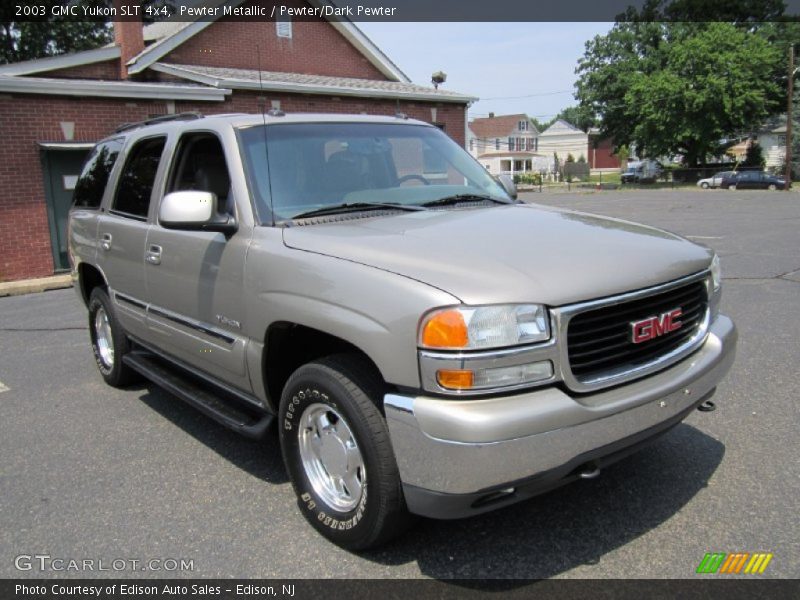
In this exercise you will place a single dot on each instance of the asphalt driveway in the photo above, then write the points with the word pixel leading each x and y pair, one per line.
pixel 87 471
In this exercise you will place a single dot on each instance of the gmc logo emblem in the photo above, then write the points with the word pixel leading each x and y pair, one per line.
pixel 653 327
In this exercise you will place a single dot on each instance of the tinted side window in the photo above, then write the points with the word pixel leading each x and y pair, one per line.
pixel 136 181
pixel 94 177
pixel 200 165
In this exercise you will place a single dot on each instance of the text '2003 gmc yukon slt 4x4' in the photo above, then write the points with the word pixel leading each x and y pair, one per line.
pixel 425 343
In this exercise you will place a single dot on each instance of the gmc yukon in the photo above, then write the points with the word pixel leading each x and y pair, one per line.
pixel 425 343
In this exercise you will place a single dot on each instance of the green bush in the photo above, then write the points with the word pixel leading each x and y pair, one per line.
pixel 528 178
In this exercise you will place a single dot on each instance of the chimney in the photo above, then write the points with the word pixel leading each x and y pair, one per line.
pixel 491 115
pixel 128 33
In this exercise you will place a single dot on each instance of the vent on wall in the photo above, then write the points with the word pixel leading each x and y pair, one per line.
pixel 283 27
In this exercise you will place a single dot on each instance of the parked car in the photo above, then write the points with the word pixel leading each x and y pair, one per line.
pixel 752 180
pixel 424 342
pixel 715 180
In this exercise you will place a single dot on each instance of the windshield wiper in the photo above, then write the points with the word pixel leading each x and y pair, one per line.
pixel 458 198
pixel 346 207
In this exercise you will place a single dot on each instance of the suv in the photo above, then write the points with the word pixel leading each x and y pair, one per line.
pixel 425 343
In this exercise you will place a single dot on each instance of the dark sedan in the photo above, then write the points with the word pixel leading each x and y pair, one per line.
pixel 752 180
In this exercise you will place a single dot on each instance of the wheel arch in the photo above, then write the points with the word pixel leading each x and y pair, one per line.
pixel 90 277
pixel 289 345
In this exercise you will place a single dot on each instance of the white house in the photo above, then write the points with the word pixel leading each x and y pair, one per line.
pixel 563 139
pixel 773 143
pixel 506 144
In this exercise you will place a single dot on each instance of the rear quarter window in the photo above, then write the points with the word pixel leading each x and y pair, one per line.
pixel 93 180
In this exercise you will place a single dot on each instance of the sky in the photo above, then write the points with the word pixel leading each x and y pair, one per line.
pixel 498 62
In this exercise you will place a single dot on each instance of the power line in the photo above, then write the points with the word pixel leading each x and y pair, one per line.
pixel 528 95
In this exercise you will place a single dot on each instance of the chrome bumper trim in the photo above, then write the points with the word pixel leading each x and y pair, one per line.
pixel 463 446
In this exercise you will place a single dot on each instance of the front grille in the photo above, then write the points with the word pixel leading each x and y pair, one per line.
pixel 599 340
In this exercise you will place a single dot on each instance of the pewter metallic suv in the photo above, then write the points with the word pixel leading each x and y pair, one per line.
pixel 425 343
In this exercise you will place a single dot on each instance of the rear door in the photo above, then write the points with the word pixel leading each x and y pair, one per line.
pixel 195 278
pixel 122 232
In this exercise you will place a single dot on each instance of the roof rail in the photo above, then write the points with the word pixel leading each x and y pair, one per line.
pixel 185 116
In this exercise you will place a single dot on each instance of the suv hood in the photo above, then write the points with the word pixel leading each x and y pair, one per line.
pixel 516 253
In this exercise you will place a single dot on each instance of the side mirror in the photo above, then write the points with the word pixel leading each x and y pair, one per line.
pixel 194 211
pixel 508 185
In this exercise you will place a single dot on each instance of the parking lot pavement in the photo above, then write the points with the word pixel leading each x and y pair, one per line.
pixel 87 471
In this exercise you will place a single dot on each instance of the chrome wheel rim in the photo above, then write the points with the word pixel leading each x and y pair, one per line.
pixel 104 337
pixel 331 458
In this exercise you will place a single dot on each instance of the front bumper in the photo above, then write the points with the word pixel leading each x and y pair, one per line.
pixel 461 457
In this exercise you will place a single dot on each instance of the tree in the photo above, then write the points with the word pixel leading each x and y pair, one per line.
pixel 754 156
pixel 623 153
pixel 542 125
pixel 678 88
pixel 26 40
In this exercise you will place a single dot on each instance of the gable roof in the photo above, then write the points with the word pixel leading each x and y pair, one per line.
pixel 272 81
pixel 498 126
pixel 168 35
pixel 176 34
pixel 63 61
pixel 111 89
pixel 561 127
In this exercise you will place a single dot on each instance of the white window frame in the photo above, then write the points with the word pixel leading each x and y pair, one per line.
pixel 283 28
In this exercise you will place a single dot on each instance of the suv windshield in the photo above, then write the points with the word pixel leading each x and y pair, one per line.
pixel 300 168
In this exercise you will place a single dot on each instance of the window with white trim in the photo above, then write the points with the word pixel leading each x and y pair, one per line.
pixel 283 27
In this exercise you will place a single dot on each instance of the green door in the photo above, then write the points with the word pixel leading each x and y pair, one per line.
pixel 61 170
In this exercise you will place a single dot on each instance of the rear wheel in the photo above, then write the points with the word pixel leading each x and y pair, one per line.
pixel 337 451
pixel 109 342
pixel 732 186
pixel 772 187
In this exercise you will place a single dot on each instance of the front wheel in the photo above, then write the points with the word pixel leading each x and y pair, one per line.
pixel 109 342
pixel 732 187
pixel 704 185
pixel 337 451
pixel 772 187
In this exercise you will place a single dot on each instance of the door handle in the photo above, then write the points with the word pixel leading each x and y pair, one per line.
pixel 153 255
pixel 105 241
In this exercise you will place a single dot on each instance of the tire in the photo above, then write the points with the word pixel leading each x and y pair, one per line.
pixel 338 455
pixel 704 185
pixel 109 342
pixel 732 187
pixel 772 187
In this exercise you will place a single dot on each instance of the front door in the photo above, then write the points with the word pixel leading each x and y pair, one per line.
pixel 61 170
pixel 195 278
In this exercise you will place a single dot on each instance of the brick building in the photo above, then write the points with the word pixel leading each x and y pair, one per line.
pixel 52 110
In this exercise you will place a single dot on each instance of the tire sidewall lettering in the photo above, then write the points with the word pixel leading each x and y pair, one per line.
pixel 300 399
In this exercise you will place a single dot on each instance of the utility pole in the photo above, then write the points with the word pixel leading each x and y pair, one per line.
pixel 788 155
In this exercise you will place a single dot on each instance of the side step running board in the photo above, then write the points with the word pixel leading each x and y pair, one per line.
pixel 229 413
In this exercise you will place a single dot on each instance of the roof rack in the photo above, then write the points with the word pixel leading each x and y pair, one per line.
pixel 185 116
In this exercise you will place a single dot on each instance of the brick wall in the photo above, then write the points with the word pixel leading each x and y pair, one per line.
pixel 107 70
pixel 315 48
pixel 25 249
pixel 602 157
pixel 25 120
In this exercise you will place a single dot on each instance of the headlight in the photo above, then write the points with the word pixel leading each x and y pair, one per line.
pixel 716 273
pixel 477 327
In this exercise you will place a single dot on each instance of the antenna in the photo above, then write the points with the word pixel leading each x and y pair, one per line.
pixel 263 103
